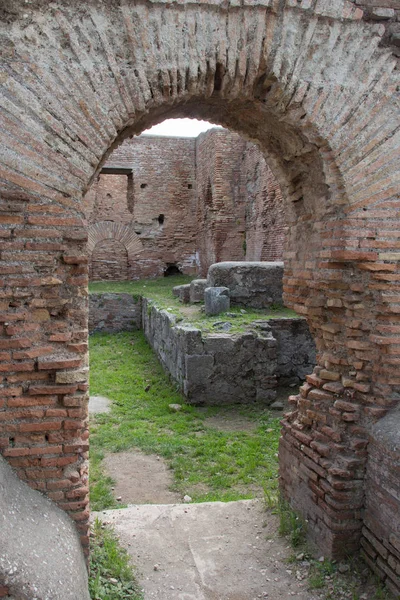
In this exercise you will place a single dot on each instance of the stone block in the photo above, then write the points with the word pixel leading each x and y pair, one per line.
pixel 197 288
pixel 41 555
pixel 253 284
pixel 182 292
pixel 198 368
pixel 216 300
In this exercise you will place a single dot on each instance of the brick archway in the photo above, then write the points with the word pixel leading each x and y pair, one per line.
pixel 311 85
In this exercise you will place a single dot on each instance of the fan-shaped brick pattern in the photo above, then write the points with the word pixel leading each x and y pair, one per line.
pixel 315 85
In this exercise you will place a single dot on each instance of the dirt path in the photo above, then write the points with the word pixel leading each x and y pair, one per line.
pixel 209 551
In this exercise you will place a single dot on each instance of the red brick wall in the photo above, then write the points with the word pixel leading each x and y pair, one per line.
pixel 109 260
pixel 162 183
pixel 265 214
pixel 221 204
pixel 218 198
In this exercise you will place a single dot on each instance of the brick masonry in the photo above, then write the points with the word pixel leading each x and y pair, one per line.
pixel 315 85
pixel 187 202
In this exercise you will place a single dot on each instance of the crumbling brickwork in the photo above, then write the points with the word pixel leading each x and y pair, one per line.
pixel 315 84
pixel 186 202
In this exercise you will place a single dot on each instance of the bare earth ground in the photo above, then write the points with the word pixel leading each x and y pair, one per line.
pixel 209 551
pixel 140 478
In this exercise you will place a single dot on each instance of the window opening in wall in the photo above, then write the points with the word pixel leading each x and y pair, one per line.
pixel 161 219
pixel 143 186
pixel 190 186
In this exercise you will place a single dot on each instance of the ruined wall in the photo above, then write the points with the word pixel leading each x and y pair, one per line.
pixel 221 203
pixel 155 201
pixel 229 369
pixel 190 202
pixel 316 86
pixel 265 214
pixel 114 312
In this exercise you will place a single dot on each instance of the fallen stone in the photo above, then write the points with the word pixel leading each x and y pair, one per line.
pixel 187 499
pixel 277 405
pixel 216 300
pixel 197 287
pixel 222 325
pixel 175 407
pixel 182 292
pixel 99 404
pixel 40 551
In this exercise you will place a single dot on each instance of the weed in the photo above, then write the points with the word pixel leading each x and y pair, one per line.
pixel 291 524
pixel 111 575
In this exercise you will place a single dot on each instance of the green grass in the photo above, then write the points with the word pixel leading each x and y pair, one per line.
pixel 160 288
pixel 111 575
pixel 160 292
pixel 206 463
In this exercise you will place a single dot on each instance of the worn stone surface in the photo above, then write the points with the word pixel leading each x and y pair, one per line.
pixel 40 552
pixel 99 404
pixel 230 369
pixel 207 551
pixel 315 86
pixel 182 292
pixel 197 287
pixel 381 532
pixel 255 284
pixel 114 312
pixel 216 300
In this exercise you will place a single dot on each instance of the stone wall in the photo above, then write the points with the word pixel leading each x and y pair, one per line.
pixel 114 312
pixel 182 201
pixel 230 369
pixel 295 347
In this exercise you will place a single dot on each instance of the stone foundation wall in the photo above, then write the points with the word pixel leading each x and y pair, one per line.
pixel 225 368
pixel 114 312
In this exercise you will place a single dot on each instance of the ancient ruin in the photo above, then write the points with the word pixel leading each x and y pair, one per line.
pixel 170 204
pixel 315 84
pixel 219 367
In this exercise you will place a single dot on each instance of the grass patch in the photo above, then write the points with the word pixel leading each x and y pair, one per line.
pixel 160 292
pixel 207 464
pixel 111 575
pixel 291 524
pixel 159 289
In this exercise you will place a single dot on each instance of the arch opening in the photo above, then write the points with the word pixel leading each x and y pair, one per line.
pixel 284 78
